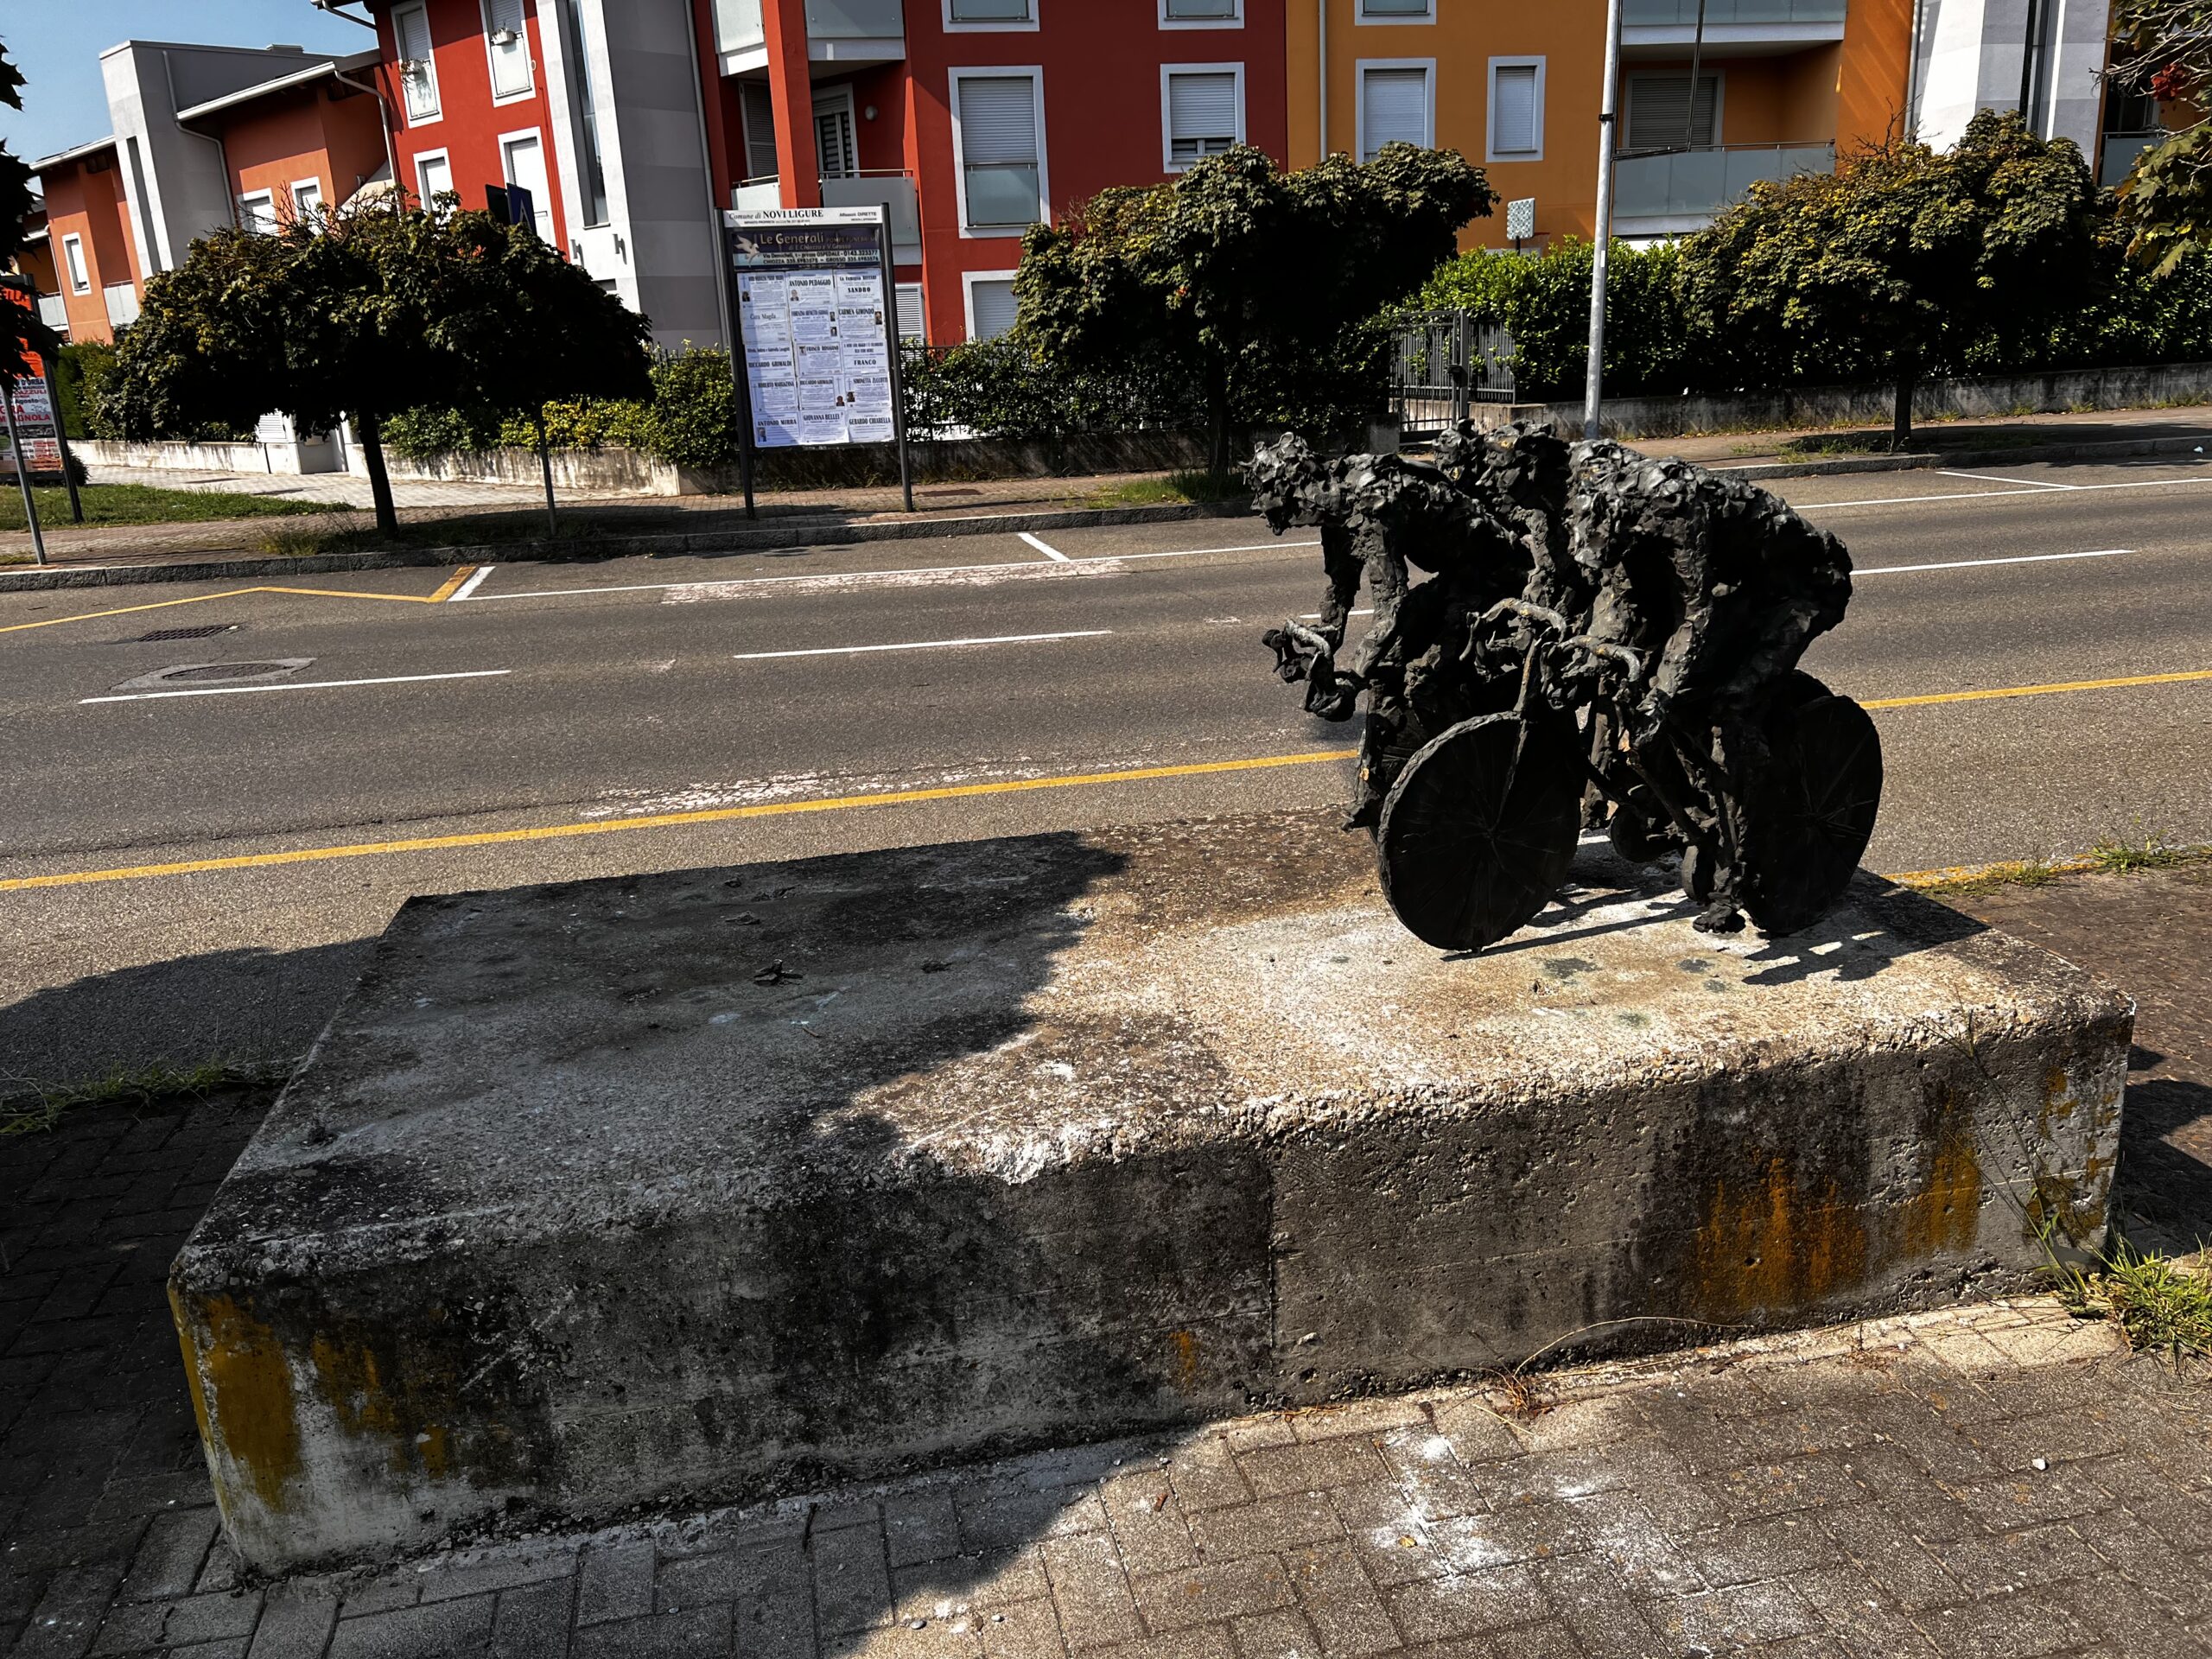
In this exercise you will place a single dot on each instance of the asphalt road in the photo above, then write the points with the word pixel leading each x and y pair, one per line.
pixel 546 721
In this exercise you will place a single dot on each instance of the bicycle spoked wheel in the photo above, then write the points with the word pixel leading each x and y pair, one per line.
pixel 1473 844
pixel 1808 817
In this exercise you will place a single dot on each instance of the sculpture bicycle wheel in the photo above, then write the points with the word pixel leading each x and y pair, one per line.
pixel 1808 813
pixel 1478 831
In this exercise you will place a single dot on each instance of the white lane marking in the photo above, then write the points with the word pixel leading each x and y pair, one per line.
pixel 1046 548
pixel 468 589
pixel 905 571
pixel 1992 478
pixel 1970 564
pixel 923 645
pixel 1984 495
pixel 304 685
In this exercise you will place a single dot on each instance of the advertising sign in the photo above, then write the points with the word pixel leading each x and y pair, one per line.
pixel 812 295
pixel 35 425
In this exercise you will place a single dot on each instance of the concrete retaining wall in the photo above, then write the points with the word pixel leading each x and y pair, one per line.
pixel 728 1182
pixel 314 455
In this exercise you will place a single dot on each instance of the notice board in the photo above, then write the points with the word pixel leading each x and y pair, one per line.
pixel 813 293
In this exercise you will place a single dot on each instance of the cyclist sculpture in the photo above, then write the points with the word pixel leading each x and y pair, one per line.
pixel 1603 641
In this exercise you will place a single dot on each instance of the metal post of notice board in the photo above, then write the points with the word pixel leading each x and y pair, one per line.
pixel 898 369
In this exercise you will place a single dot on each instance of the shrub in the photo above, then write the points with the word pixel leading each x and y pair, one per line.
pixel 693 418
pixel 81 371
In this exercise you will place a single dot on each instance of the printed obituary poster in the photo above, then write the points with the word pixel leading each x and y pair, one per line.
pixel 816 325
pixel 35 421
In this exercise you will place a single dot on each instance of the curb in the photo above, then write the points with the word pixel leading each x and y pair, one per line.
pixel 2194 443
pixel 709 543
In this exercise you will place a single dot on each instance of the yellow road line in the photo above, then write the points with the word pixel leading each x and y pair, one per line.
pixel 438 598
pixel 670 820
pixel 452 584
pixel 2039 690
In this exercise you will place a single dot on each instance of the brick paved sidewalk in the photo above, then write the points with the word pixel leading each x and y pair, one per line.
pixel 1997 1481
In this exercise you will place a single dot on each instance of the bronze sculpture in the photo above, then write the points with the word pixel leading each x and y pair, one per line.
pixel 1602 641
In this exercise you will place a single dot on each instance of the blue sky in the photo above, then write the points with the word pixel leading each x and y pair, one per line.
pixel 57 44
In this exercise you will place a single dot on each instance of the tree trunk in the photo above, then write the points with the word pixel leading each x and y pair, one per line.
pixel 1900 423
pixel 545 466
pixel 1217 422
pixel 371 434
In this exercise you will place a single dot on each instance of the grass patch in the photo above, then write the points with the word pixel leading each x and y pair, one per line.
pixel 1177 489
pixel 41 1106
pixel 2161 1305
pixel 143 503
pixel 2146 849
pixel 1965 884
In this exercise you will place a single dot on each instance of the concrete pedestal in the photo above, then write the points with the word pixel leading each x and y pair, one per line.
pixel 716 1183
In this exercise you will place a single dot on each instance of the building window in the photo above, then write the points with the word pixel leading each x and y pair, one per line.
pixel 522 157
pixel 1517 109
pixel 433 177
pixel 1397 105
pixel 837 151
pixel 507 40
pixel 1202 13
pixel 990 14
pixel 991 308
pixel 913 320
pixel 1397 11
pixel 584 107
pixel 418 75
pixel 307 198
pixel 73 255
pixel 1202 109
pixel 258 214
pixel 1659 116
pixel 757 105
pixel 998 124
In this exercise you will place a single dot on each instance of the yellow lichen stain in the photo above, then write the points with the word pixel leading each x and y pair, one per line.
pixel 241 1392
pixel 352 1383
pixel 2058 1097
pixel 1775 1244
pixel 1945 1214
pixel 1186 1359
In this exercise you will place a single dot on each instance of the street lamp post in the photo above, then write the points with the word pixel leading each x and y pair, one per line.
pixel 1594 393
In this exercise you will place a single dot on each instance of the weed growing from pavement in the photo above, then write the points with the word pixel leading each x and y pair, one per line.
pixel 36 1108
pixel 1177 488
pixel 2145 849
pixel 2115 855
pixel 2161 1305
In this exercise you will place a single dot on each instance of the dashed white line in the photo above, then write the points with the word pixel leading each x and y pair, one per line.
pixel 1992 477
pixel 1046 548
pixel 468 589
pixel 302 685
pixel 1984 495
pixel 1969 564
pixel 924 644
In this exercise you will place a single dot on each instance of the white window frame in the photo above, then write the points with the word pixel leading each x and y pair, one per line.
pixel 1361 20
pixel 1000 72
pixel 951 27
pixel 492 64
pixel 828 103
pixel 921 304
pixel 248 217
pixel 548 231
pixel 1166 123
pixel 1426 66
pixel 437 97
pixel 1236 21
pixel 423 155
pixel 968 280
pixel 74 244
pixel 1491 151
pixel 293 189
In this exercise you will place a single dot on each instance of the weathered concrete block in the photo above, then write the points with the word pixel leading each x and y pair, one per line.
pixel 711 1183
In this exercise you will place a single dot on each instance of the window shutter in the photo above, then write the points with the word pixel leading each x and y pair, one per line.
pixel 412 27
pixel 1658 108
pixel 510 47
pixel 506 16
pixel 998 121
pixel 1201 115
pixel 912 324
pixel 1513 110
pixel 995 308
pixel 759 129
pixel 1398 110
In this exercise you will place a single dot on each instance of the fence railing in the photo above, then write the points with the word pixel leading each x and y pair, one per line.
pixel 1443 366
pixel 1697 183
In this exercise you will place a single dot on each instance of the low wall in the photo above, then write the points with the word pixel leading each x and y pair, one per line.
pixel 576 472
pixel 318 455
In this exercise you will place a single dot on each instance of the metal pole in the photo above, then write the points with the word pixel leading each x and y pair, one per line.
pixel 1697 64
pixel 1594 391
pixel 1321 75
pixel 22 472
pixel 898 376
pixel 739 370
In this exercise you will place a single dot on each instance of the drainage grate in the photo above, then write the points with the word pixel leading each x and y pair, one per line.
pixel 207 632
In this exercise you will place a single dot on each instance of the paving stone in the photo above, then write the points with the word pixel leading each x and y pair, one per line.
pixel 1477 1432
pixel 1272 1524
pixel 776 1627
pixel 921 1527
pixel 447 1628
pixel 1211 1594
pixel 616 1581
pixel 170 1555
pixel 1368 1417
pixel 1146 1516
pixel 977 1583
pixel 1274 1470
pixel 1741 1616
pixel 852 1580
pixel 1339 1600
pixel 703 1631
pixel 1206 1641
pixel 296 1620
pixel 1434 1609
pixel 1091 1592
pixel 2004 1627
pixel 1026 1629
pixel 1205 1473
pixel 733 1575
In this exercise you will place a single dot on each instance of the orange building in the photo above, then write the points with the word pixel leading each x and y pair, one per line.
pixel 1782 86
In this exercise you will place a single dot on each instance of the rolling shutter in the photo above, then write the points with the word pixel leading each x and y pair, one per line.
pixel 1395 110
pixel 998 121
pixel 1513 118
pixel 1201 115
pixel 760 107
pixel 420 78
pixel 1658 110
pixel 995 308
pixel 913 325
pixel 510 47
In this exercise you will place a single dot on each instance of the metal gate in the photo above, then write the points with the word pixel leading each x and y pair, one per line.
pixel 1442 365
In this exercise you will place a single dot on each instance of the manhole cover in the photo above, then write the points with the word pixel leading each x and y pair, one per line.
pixel 207 632
pixel 185 674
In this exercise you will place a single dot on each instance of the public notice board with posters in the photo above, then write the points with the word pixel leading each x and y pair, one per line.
pixel 33 398
pixel 813 299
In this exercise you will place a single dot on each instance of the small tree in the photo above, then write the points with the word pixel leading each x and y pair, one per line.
pixel 2165 49
pixel 1897 262
pixel 1239 277
pixel 21 334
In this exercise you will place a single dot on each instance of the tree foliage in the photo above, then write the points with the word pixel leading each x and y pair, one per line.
pixel 357 314
pixel 1543 301
pixel 20 331
pixel 1250 282
pixel 1891 265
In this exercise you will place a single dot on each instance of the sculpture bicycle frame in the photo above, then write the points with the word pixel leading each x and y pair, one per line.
pixel 1602 641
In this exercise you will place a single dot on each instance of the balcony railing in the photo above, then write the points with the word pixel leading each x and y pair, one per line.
pixel 1698 183
pixel 2120 149
pixel 121 304
pixel 830 24
pixel 855 20
pixel 53 312
pixel 895 189
pixel 738 26
pixel 1729 13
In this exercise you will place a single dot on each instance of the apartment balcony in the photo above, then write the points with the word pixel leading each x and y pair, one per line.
pixel 894 189
pixel 1665 28
pixel 844 33
pixel 2119 150
pixel 53 312
pixel 1670 195
pixel 121 304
